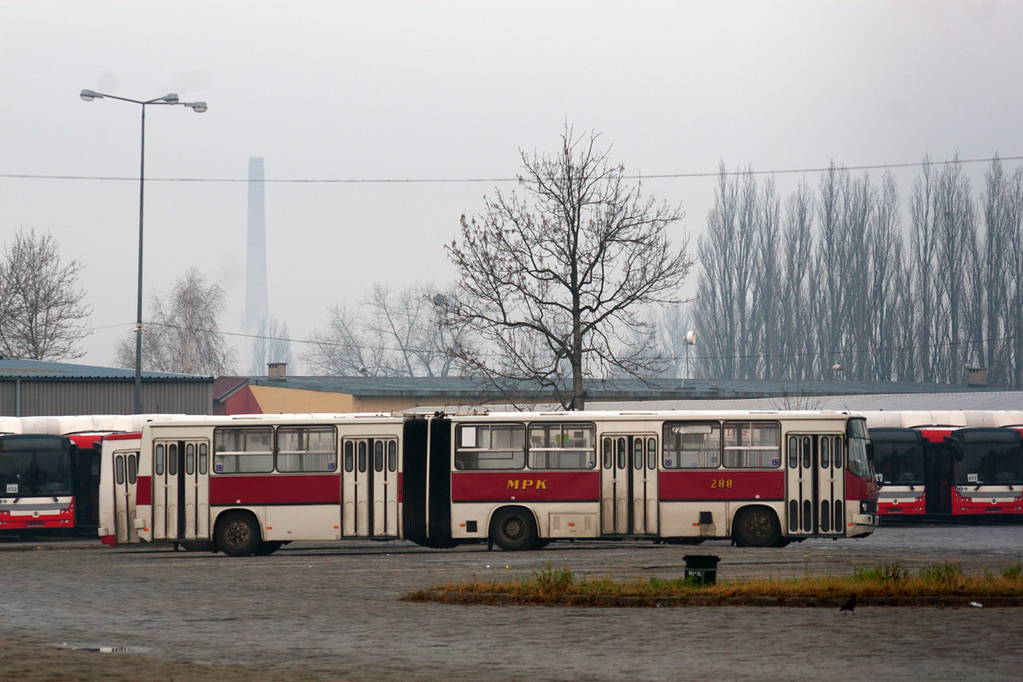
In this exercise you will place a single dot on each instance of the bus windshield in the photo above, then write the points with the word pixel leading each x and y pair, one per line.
pixel 859 465
pixel 34 467
pixel 898 458
pixel 992 461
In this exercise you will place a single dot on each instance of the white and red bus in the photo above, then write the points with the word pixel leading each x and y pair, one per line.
pixel 37 483
pixel 948 465
pixel 520 480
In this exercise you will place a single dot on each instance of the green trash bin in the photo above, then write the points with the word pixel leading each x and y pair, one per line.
pixel 702 567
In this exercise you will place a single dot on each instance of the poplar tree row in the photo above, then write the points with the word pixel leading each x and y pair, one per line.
pixel 829 276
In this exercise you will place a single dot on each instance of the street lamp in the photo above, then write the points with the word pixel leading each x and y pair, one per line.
pixel 198 107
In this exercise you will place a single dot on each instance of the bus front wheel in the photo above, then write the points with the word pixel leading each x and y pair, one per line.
pixel 514 529
pixel 756 527
pixel 238 534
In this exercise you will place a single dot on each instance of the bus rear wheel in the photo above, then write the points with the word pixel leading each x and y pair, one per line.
pixel 238 535
pixel 514 529
pixel 756 527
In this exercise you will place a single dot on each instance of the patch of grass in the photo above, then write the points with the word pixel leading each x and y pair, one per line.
pixel 551 584
pixel 1013 571
pixel 885 573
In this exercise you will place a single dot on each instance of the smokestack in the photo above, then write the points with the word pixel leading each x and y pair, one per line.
pixel 255 262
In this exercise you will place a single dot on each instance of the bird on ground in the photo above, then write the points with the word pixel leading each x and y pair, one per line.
pixel 849 605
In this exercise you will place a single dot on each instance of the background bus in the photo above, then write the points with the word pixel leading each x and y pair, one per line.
pixel 37 483
pixel 948 465
pixel 518 480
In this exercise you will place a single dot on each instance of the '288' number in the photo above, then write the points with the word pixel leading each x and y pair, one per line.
pixel 720 483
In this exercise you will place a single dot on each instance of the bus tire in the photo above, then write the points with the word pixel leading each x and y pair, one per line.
pixel 513 529
pixel 268 548
pixel 756 527
pixel 238 534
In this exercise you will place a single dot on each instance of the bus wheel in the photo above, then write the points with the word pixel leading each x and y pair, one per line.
pixel 756 527
pixel 513 529
pixel 268 548
pixel 237 534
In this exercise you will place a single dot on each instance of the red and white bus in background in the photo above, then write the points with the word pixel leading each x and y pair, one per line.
pixel 47 461
pixel 944 465
pixel 520 480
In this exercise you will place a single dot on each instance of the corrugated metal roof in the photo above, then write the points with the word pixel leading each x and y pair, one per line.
pixel 987 400
pixel 12 368
pixel 622 389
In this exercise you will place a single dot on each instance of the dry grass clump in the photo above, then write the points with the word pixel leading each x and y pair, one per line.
pixel 947 579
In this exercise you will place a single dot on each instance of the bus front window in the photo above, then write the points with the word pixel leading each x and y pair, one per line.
pixel 28 472
pixel 899 463
pixel 859 465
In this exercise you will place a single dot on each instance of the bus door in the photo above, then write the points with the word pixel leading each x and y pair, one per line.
pixel 370 487
pixel 815 488
pixel 126 467
pixel 180 489
pixel 939 468
pixel 194 489
pixel 628 487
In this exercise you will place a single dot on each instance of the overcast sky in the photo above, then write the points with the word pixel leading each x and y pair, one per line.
pixel 440 90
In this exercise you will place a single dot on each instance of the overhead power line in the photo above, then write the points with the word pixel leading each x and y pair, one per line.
pixel 414 181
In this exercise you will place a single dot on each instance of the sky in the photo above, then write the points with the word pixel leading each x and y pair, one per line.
pixel 450 90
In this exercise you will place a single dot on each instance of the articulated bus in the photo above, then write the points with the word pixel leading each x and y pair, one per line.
pixel 247 485
pixel 948 465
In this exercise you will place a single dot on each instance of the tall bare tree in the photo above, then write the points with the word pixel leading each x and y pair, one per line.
pixel 42 310
pixel 553 281
pixel 183 332
pixel 795 345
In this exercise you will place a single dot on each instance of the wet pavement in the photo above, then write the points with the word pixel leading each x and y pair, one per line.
pixel 318 611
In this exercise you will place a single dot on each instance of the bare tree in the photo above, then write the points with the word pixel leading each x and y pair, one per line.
pixel 272 344
pixel 42 314
pixel 403 334
pixel 554 281
pixel 886 264
pixel 795 346
pixel 183 334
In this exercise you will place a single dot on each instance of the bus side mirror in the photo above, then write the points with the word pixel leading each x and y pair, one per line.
pixel 957 447
pixel 870 452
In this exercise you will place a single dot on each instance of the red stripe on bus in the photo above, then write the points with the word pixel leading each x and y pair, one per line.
pixel 228 490
pixel 144 490
pixel 723 484
pixel 547 486
pixel 123 436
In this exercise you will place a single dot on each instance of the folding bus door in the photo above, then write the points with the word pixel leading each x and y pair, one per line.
pixel 370 487
pixel 180 489
pixel 644 485
pixel 628 487
pixel 126 465
pixel 194 488
pixel 815 489
pixel 165 489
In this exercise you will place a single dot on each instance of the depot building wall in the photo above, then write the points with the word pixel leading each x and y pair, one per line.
pixel 280 400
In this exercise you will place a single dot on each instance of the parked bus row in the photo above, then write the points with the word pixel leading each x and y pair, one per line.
pixel 248 484
pixel 948 465
pixel 50 471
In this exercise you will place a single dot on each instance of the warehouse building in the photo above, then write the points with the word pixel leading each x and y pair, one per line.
pixel 30 388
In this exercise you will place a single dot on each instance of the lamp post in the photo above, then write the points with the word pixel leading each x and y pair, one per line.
pixel 171 99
